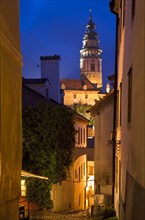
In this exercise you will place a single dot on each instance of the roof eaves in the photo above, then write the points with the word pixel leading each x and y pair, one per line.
pixel 98 103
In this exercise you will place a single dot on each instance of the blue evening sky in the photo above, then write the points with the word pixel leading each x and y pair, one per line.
pixel 51 27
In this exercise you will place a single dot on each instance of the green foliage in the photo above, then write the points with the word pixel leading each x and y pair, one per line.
pixel 38 192
pixel 48 143
pixel 82 109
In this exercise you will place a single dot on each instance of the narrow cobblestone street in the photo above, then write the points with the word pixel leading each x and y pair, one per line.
pixel 44 215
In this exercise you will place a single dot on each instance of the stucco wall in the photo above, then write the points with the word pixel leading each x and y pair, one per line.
pixel 131 55
pixel 10 110
pixel 62 195
pixel 80 97
pixel 80 172
pixel 102 151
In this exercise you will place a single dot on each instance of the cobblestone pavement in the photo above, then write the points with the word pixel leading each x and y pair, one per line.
pixel 44 215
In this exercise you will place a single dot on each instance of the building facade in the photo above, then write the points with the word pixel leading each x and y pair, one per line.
pixel 10 110
pixel 74 190
pixel 130 127
pixel 103 114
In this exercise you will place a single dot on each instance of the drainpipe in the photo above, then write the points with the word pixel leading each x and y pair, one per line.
pixel 115 101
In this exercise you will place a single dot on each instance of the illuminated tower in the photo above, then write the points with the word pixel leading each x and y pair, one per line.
pixel 90 55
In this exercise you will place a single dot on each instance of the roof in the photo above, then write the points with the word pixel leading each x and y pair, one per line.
pixel 35 80
pixel 99 103
pixel 28 174
pixel 77 84
pixel 32 98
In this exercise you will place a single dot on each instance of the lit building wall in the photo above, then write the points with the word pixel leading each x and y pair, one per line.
pixel 72 97
pixel 62 194
pixel 80 182
pixel 130 200
pixel 103 113
pixel 10 110
pixel 133 113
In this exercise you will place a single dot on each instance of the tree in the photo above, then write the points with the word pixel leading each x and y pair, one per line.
pixel 48 143
pixel 83 109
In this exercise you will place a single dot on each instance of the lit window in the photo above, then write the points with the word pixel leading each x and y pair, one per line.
pixel 23 188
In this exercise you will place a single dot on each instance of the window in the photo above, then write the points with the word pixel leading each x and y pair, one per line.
pixel 79 136
pixel 79 174
pixel 92 67
pixel 86 96
pixel 120 103
pixel 81 171
pixel 75 96
pixel 84 168
pixel 124 11
pixel 129 96
pixel 76 174
pixel 133 10
pixel 84 135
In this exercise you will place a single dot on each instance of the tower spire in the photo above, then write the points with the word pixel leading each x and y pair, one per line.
pixel 90 54
pixel 90 12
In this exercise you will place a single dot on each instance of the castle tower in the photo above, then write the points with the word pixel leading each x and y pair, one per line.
pixel 90 55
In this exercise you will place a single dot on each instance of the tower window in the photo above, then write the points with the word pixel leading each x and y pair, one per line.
pixel 92 67
pixel 75 96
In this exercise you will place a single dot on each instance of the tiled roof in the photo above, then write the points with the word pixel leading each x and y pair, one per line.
pixel 76 84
